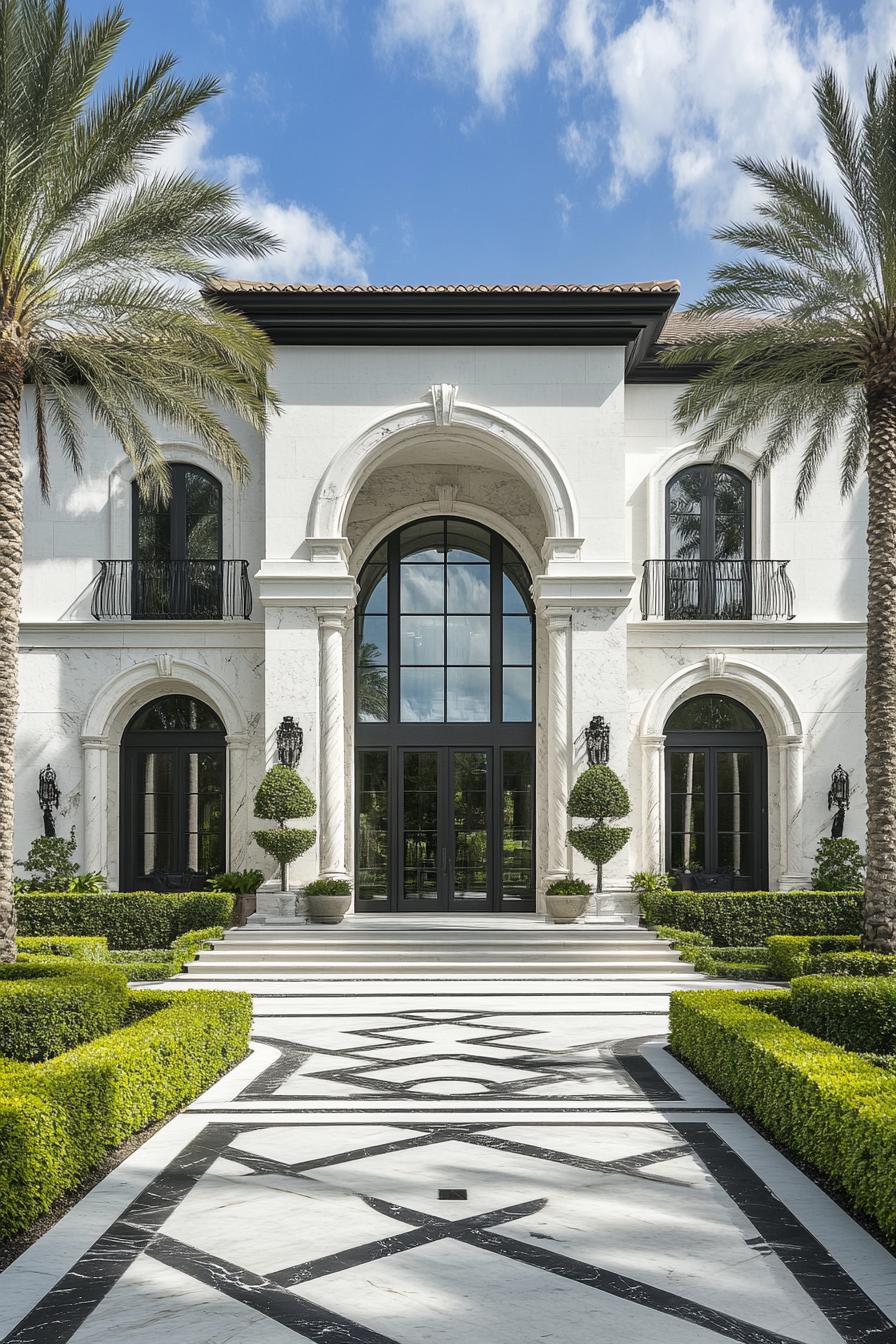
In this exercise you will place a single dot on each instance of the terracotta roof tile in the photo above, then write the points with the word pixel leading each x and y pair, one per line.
pixel 679 328
pixel 273 287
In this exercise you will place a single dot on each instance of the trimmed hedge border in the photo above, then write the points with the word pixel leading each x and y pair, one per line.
pixel 831 1108
pixel 47 1007
pixel 58 1119
pixel 126 918
pixel 739 918
pixel 160 963
pixel 81 949
pixel 857 1013
pixel 788 954
pixel 851 963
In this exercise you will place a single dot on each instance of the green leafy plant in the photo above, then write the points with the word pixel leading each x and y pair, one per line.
pixel 569 886
pixel 283 795
pixel 240 882
pixel 649 882
pixel 329 886
pixel 87 884
pixel 50 863
pixel 839 865
pixel 600 794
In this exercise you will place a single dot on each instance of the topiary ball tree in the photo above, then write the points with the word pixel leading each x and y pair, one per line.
pixel 283 795
pixel 599 794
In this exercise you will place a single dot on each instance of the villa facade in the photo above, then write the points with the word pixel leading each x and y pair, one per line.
pixel 472 530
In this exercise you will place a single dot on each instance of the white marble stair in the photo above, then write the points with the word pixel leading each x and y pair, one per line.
pixel 396 950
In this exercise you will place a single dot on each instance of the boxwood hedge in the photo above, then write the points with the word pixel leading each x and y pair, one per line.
pixel 851 963
pixel 833 1109
pixel 126 918
pixel 82 949
pixel 788 954
pixel 738 918
pixel 50 1006
pixel 59 1118
pixel 857 1013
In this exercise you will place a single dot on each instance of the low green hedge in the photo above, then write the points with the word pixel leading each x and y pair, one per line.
pixel 712 961
pixel 736 918
pixel 47 1007
pixel 82 949
pixel 833 1109
pixel 851 963
pixel 857 1013
pixel 160 963
pixel 788 954
pixel 58 1119
pixel 128 919
pixel 683 937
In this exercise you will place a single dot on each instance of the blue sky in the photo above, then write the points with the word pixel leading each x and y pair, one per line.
pixel 450 141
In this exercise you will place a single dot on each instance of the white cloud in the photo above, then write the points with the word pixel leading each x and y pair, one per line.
pixel 564 209
pixel 580 145
pixel 327 11
pixel 487 42
pixel 312 251
pixel 578 34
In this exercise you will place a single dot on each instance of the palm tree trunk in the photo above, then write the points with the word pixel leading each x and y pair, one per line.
pixel 11 378
pixel 880 675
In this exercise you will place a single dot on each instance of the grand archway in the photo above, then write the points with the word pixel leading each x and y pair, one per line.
pixel 445 726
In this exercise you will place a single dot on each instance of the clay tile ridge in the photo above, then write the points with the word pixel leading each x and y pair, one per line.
pixel 272 287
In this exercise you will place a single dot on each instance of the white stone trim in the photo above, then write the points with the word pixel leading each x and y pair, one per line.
pixel 558 743
pixel 742 460
pixel 121 478
pixel 785 740
pixel 333 804
pixel 106 719
pixel 517 447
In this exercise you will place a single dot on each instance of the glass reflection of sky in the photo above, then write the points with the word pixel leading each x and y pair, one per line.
pixel 468 588
pixel 468 695
pixel 517 694
pixel 422 695
pixel 422 588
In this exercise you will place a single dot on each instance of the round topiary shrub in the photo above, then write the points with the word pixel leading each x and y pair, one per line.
pixel 282 795
pixel 839 865
pixel 599 793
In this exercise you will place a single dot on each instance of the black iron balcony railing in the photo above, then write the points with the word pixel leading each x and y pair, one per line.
pixel 717 590
pixel 172 590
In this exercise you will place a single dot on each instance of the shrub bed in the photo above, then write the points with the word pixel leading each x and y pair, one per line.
pixel 159 963
pixel 47 1007
pixel 82 949
pixel 833 1109
pixel 738 918
pixel 128 919
pixel 857 1013
pixel 683 937
pixel 58 1119
pixel 851 963
pixel 788 954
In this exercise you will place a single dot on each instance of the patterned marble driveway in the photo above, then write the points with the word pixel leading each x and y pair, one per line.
pixel 455 1164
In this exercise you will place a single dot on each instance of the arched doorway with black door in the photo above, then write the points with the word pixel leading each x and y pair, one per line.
pixel 716 796
pixel 173 796
pixel 444 723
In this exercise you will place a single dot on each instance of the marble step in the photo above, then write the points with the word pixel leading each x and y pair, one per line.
pixel 449 967
pixel 348 943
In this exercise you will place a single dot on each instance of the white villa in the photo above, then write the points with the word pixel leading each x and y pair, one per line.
pixel 473 530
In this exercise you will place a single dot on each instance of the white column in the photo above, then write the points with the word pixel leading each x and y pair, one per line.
pixel 238 803
pixel 653 839
pixel 558 741
pixel 95 808
pixel 332 742
pixel 790 796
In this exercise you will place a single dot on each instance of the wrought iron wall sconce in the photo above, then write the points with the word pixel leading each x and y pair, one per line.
pixel 597 741
pixel 289 742
pixel 838 796
pixel 48 796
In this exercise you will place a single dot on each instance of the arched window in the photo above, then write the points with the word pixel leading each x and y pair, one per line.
pixel 173 766
pixel 708 544
pixel 444 643
pixel 177 570
pixel 716 812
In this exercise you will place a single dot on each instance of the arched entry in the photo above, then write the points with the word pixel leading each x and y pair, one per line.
pixel 716 796
pixel 173 820
pixel 445 732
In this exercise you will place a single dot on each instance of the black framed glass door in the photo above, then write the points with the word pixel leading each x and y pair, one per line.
pixel 444 695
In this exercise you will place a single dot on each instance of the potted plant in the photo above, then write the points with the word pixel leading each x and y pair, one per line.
pixel 599 794
pixel 328 900
pixel 567 900
pixel 282 795
pixel 243 883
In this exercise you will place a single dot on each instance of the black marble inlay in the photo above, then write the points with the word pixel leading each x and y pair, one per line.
pixel 452 1194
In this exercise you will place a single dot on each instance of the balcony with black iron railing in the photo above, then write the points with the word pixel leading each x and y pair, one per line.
pixel 172 590
pixel 716 590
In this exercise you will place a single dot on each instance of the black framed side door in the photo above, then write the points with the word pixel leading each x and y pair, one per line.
pixel 717 810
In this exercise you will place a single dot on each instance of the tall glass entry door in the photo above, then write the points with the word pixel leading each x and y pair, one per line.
pixel 444 722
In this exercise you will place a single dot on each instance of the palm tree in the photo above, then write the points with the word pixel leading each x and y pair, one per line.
pixel 100 259
pixel 801 346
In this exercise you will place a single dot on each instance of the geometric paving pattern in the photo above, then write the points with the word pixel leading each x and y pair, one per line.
pixel 545 1223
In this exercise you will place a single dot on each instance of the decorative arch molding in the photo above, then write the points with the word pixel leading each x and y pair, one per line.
pixel 109 714
pixel 367 544
pixel 687 456
pixel 515 446
pixel 779 717
pixel 121 479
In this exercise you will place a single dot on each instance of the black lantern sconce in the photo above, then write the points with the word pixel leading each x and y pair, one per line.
pixel 597 741
pixel 289 742
pixel 838 796
pixel 48 796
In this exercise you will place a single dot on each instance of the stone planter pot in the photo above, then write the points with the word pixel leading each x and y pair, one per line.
pixel 245 904
pixel 566 909
pixel 328 909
